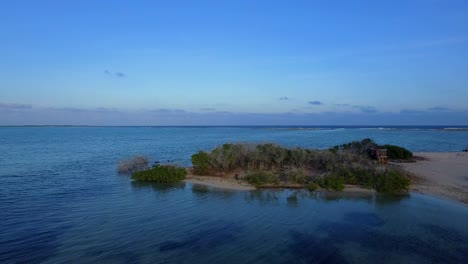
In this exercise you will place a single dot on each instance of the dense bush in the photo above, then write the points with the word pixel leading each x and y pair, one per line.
pixel 296 177
pixel 396 152
pixel 161 174
pixel 129 166
pixel 364 146
pixel 262 178
pixel 356 175
pixel 312 186
pixel 357 147
pixel 271 164
pixel 391 181
pixel 382 179
pixel 365 178
pixel 200 162
pixel 333 182
pixel 271 157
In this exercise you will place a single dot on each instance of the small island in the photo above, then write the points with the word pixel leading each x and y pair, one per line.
pixel 272 166
pixel 351 167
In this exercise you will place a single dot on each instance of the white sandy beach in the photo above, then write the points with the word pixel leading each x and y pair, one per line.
pixel 442 174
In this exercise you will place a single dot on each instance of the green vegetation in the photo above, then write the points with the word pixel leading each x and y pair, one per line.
pixel 271 165
pixel 396 152
pixel 297 177
pixel 267 165
pixel 364 146
pixel 333 182
pixel 271 157
pixel 129 166
pixel 391 181
pixel 357 147
pixel 261 178
pixel 161 174
pixel 382 179
pixel 312 186
pixel 200 162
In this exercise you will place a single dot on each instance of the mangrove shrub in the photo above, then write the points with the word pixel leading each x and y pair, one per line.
pixel 391 181
pixel 262 178
pixel 200 162
pixel 161 174
pixel 397 152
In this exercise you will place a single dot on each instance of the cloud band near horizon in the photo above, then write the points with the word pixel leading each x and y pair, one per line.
pixel 23 114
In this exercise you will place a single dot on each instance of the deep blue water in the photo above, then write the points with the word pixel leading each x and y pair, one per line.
pixel 61 201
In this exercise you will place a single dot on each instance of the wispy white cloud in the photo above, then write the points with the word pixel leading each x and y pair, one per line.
pixel 366 108
pixel 14 106
pixel 315 103
pixel 438 108
pixel 166 111
pixel 343 105
pixel 114 74
pixel 163 116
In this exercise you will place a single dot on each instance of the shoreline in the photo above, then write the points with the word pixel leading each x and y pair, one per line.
pixel 219 182
pixel 439 174
pixel 236 185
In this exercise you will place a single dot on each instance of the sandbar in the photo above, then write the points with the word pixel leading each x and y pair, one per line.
pixel 443 174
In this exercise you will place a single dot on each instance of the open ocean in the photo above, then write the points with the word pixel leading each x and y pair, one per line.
pixel 61 201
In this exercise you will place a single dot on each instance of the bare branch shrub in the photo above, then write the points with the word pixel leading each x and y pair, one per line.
pixel 135 164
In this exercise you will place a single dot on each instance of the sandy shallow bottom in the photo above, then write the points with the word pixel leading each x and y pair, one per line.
pixel 443 174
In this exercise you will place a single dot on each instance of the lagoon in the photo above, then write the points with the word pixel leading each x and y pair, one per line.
pixel 61 200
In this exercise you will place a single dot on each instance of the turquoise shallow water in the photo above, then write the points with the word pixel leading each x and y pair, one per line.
pixel 61 201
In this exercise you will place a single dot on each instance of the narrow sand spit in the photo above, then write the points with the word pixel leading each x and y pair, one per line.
pixel 233 184
pixel 440 173
pixel 220 182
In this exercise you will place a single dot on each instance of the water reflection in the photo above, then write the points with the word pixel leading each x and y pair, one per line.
pixel 159 187
pixel 329 196
pixel 217 234
pixel 292 200
pixel 364 230
pixel 294 197
pixel 308 248
pixel 363 219
pixel 382 199
pixel 201 190
pixel 369 197
pixel 265 197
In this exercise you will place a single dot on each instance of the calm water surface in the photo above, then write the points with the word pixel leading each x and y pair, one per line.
pixel 62 202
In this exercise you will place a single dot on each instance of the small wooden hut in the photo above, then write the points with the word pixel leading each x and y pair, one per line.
pixel 380 155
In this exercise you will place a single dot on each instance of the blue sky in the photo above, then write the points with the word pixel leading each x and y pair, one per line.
pixel 234 62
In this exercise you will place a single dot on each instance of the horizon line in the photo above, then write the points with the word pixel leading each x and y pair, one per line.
pixel 188 126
